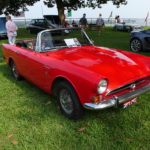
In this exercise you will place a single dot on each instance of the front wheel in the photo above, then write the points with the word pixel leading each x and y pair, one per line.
pixel 68 101
pixel 136 45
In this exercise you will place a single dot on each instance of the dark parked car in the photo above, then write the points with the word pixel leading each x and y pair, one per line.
pixel 126 27
pixel 123 27
pixel 49 22
pixel 3 33
pixel 53 20
pixel 37 25
pixel 140 40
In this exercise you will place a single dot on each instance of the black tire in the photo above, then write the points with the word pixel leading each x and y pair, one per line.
pixel 14 71
pixel 68 100
pixel 136 45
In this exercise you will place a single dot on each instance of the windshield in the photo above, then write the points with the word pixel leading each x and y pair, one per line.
pixel 63 38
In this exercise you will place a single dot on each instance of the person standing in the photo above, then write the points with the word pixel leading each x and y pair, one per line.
pixel 83 22
pixel 117 18
pixel 11 28
pixel 100 22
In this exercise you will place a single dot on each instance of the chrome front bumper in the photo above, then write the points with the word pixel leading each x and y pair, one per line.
pixel 116 100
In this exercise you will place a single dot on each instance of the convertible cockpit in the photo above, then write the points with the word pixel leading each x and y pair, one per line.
pixel 50 40
pixel 30 44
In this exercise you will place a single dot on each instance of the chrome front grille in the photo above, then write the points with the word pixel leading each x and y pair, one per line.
pixel 129 86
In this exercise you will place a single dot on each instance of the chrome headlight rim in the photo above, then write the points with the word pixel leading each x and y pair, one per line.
pixel 102 86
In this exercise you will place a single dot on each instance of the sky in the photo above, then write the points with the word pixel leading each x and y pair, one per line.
pixel 134 9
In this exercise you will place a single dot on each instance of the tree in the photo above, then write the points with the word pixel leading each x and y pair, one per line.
pixel 75 4
pixel 12 6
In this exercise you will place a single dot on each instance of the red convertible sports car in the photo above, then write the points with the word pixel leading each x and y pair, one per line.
pixel 78 73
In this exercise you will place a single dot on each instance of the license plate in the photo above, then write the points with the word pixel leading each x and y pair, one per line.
pixel 129 103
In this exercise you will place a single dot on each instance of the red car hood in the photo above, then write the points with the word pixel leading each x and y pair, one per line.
pixel 119 67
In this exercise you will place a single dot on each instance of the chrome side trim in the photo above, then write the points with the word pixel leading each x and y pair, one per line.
pixel 117 99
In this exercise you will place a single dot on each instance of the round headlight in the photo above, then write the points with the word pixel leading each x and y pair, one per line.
pixel 102 86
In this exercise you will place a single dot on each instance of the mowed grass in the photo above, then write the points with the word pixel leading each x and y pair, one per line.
pixel 31 120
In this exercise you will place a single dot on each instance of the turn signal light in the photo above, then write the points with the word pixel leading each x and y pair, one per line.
pixel 96 99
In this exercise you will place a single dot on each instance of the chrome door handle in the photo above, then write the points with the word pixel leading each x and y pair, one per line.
pixel 47 67
pixel 17 52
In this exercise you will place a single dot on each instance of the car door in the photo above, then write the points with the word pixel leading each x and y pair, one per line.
pixel 32 66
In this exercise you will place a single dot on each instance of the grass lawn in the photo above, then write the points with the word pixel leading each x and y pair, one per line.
pixel 31 120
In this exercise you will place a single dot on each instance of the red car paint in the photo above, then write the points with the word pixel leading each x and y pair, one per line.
pixel 84 67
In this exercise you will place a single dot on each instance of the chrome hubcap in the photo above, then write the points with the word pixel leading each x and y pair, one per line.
pixel 66 101
pixel 136 45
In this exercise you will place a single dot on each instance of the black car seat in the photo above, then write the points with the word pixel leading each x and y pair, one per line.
pixel 21 44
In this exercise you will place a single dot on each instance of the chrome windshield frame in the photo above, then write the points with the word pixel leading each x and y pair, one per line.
pixel 38 48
